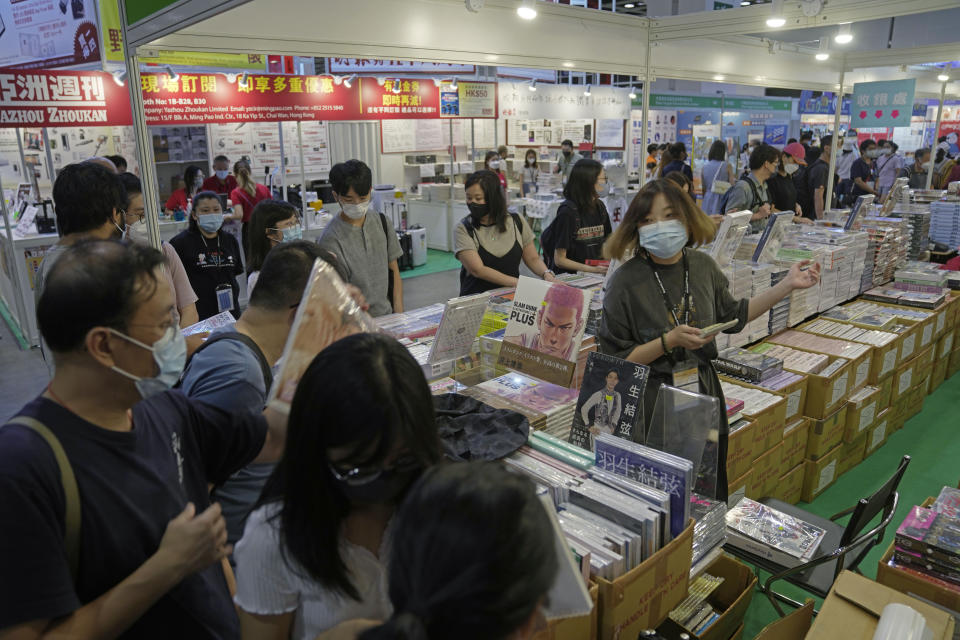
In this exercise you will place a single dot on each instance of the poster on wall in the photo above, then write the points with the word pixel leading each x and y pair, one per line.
pixel 42 34
pixel 11 169
pixel 610 134
pixel 75 144
pixel 562 101
pixel 549 133
pixel 468 100
pixel 775 134
pixel 316 150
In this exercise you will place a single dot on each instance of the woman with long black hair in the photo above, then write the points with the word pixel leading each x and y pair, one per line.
pixel 582 223
pixel 272 222
pixel 490 242
pixel 211 257
pixel 361 431
pixel 180 199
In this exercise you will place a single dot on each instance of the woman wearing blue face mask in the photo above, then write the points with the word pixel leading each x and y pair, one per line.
pixel 211 257
pixel 272 222
pixel 657 303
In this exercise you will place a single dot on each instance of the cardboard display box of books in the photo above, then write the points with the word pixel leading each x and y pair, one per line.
pixel 578 628
pixel 885 345
pixel 767 412
pixel 828 387
pixel 728 598
pixel 770 374
pixel 907 577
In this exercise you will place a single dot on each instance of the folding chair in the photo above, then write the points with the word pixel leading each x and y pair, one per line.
pixel 843 547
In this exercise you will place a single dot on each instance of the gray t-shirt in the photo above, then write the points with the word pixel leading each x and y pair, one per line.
pixel 228 375
pixel 365 253
pixel 742 199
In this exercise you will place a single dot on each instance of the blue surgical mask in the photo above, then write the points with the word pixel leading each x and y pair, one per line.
pixel 603 190
pixel 664 239
pixel 292 233
pixel 170 356
pixel 210 222
pixel 222 175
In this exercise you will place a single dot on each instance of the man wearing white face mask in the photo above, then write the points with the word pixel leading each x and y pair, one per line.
pixel 363 241
pixel 135 230
pixel 864 171
pixel 222 181
pixel 917 172
pixel 889 165
pixel 109 530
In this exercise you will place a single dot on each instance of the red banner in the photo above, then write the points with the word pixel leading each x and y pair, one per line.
pixel 399 99
pixel 62 98
pixel 208 98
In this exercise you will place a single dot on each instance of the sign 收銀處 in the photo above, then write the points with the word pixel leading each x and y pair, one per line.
pixel 882 104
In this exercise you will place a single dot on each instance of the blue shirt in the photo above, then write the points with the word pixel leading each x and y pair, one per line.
pixel 228 375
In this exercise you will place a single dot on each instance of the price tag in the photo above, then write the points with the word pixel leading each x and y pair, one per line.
pixel 839 388
pixel 867 416
pixel 793 403
pixel 908 343
pixel 826 476
pixel 889 362
pixel 686 376
pixel 878 435
pixel 906 379
pixel 927 335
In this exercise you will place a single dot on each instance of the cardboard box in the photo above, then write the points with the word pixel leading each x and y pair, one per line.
pixel 819 475
pixel 766 470
pixel 884 394
pixel 741 450
pixel 790 485
pixel 737 488
pixel 877 434
pixel 902 381
pixel 641 598
pixel 945 345
pixel 954 365
pixel 824 394
pixel 909 342
pixel 924 361
pixel 579 628
pixel 731 599
pixel 851 454
pixel 769 423
pixel 938 376
pixel 853 607
pixel 883 360
pixel 795 394
pixel 793 626
pixel 861 412
pixel 795 438
pixel 826 434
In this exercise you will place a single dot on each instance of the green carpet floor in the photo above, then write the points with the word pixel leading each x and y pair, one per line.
pixel 437 261
pixel 930 438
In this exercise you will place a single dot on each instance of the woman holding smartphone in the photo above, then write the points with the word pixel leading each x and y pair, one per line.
pixel 660 300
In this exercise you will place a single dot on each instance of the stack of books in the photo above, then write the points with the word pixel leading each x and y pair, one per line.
pixel 891 295
pixel 780 312
pixel 695 613
pixel 420 323
pixel 922 277
pixel 547 406
pixel 734 409
pixel 850 332
pixel 945 222
pixel 780 381
pixel 710 530
pixel 739 274
pixel 794 359
pixel 772 535
pixel 928 541
pixel 671 474
pixel 820 344
pixel 754 400
pixel 892 236
pixel 747 365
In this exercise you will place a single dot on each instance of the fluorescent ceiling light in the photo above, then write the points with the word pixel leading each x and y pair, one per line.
pixel 629 5
pixel 943 77
pixel 587 91
pixel 776 19
pixel 568 65
pixel 719 77
pixel 526 10
pixel 844 35
pixel 745 3
pixel 824 52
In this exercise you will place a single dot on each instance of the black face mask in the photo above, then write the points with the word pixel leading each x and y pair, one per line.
pixel 387 488
pixel 477 211
pixel 567 154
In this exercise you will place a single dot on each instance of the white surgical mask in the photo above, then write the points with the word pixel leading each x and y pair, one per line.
pixel 663 239
pixel 355 211
pixel 886 151
pixel 791 168
pixel 926 165
pixel 222 175
pixel 494 164
pixel 137 232
pixel 170 356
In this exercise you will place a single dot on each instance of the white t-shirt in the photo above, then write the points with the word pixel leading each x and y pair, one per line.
pixel 266 585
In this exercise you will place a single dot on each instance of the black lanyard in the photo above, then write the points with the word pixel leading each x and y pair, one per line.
pixel 687 302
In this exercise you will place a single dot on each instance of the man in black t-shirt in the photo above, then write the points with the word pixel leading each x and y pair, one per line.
pixel 142 559
pixel 817 181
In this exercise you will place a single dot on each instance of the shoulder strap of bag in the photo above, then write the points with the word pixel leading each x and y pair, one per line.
pixel 757 200
pixel 71 493
pixel 720 166
pixel 386 234
pixel 250 344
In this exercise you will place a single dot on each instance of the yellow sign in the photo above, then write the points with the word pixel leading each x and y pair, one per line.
pixel 253 62
pixel 111 31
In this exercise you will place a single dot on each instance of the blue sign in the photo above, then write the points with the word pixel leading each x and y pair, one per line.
pixel 882 104
pixel 775 134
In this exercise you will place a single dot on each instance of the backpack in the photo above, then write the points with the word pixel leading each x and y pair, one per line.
pixel 548 238
pixel 755 201
pixel 265 368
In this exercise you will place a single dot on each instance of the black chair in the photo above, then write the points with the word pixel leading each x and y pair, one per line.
pixel 843 547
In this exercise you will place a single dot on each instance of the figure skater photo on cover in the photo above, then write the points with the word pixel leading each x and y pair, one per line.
pixel 610 400
pixel 604 406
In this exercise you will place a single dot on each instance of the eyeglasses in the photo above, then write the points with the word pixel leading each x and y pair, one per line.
pixel 127 215
pixel 359 476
